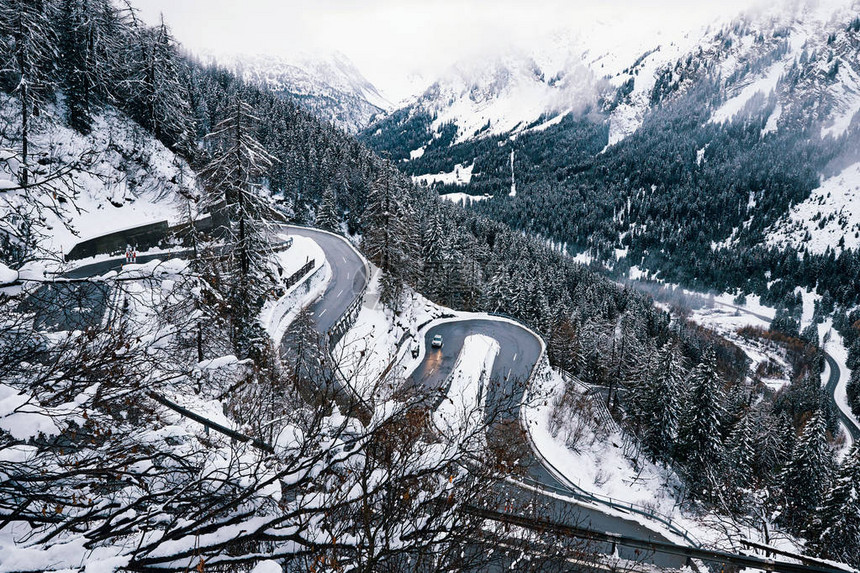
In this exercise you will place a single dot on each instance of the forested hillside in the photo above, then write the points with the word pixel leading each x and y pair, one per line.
pixel 713 189
pixel 98 471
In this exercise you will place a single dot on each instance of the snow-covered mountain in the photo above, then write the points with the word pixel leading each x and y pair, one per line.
pixel 329 86
pixel 792 67
pixel 624 69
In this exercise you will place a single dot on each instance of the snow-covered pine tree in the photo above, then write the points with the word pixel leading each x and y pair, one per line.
pixel 327 217
pixel 433 249
pixel 233 179
pixel 91 38
pixel 806 477
pixel 27 63
pixel 660 402
pixel 699 446
pixel 742 457
pixel 77 82
pixel 389 229
pixel 156 95
pixel 835 529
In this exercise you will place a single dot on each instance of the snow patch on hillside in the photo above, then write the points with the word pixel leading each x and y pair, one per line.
pixel 461 175
pixel 846 92
pixel 463 198
pixel 764 85
pixel 829 215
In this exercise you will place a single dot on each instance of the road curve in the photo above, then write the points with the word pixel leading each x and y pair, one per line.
pixel 519 352
pixel 348 276
pixel 830 389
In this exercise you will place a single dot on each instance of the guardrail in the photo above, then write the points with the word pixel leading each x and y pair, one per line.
pixel 296 276
pixel 347 319
pixel 283 245
pixel 707 555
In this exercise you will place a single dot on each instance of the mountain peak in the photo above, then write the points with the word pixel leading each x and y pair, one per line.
pixel 328 85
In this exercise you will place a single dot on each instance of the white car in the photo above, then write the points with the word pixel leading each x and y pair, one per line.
pixel 437 341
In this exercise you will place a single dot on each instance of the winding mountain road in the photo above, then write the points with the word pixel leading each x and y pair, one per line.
pixel 832 381
pixel 348 276
pixel 520 351
pixel 830 390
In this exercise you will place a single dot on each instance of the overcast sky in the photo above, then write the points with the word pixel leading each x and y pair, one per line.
pixel 391 40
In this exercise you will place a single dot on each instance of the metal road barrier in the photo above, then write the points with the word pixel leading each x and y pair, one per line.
pixel 294 278
pixel 347 319
pixel 707 555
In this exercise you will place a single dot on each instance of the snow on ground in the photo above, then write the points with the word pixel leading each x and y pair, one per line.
pixel 549 123
pixel 7 275
pixel 383 338
pixel 595 461
pixel 416 153
pixel 462 175
pixel 463 198
pixel 721 314
pixel 267 566
pixel 302 250
pixel 277 315
pixel 23 417
pixel 772 121
pixel 463 409
pixel 133 179
pixel 847 96
pixel 829 215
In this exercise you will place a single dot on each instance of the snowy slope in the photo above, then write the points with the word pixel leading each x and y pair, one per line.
pixel 624 68
pixel 829 215
pixel 128 178
pixel 329 86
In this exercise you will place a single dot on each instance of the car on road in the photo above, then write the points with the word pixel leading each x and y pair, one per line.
pixel 437 341
pixel 416 350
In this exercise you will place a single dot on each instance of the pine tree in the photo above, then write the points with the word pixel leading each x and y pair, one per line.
pixel 389 235
pixel 660 402
pixel 156 95
pixel 28 52
pixel 433 250
pixel 233 178
pixel 806 477
pixel 327 218
pixel 699 445
pixel 835 529
pixel 742 457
